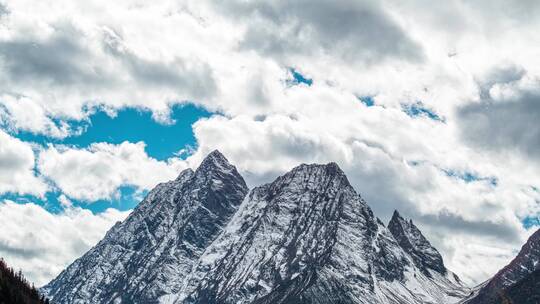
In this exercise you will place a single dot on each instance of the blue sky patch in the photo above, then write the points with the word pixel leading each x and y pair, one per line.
pixel 50 202
pixel 128 198
pixel 368 101
pixel 134 125
pixel 298 78
pixel 419 110
pixel 530 221
pixel 470 177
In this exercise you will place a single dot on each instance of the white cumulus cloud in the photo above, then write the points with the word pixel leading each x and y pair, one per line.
pixel 17 162
pixel 98 171
pixel 42 244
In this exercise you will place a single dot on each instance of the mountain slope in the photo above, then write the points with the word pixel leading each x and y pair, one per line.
pixel 507 280
pixel 307 237
pixel 142 258
pixel 526 291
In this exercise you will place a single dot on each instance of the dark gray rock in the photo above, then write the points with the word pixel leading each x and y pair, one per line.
pixel 409 237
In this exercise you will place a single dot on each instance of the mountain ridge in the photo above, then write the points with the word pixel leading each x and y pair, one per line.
pixel 425 256
pixel 306 237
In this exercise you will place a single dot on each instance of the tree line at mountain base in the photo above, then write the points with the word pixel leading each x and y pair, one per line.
pixel 15 289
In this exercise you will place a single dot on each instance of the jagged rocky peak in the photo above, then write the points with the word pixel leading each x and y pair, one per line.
pixel 145 257
pixel 281 235
pixel 307 237
pixel 215 160
pixel 330 169
pixel 222 179
pixel 411 239
pixel 215 168
pixel 313 175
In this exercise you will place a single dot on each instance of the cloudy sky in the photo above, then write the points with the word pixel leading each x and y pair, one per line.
pixel 430 109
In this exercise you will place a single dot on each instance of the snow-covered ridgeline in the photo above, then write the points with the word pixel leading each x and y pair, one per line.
pixel 307 237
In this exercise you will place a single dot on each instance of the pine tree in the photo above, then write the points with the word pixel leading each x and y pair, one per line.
pixel 15 288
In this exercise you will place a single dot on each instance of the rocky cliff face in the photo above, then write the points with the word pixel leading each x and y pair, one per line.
pixel 525 291
pixel 307 237
pixel 409 237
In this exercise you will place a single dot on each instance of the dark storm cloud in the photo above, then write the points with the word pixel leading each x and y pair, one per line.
pixel 352 30
pixel 503 125
pixel 65 59
pixel 512 125
pixel 504 74
pixel 455 223
pixel 56 60
pixel 196 78
pixel 378 180
pixel 19 252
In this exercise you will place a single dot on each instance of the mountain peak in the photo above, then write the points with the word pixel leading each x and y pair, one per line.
pixel 215 160
pixel 147 254
pixel 313 176
pixel 216 154
pixel 409 237
pixel 329 169
pixel 396 217
pixel 216 167
pixel 306 237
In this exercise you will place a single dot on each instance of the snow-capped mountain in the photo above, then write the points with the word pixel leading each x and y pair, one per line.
pixel 307 237
pixel 517 276
pixel 146 256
